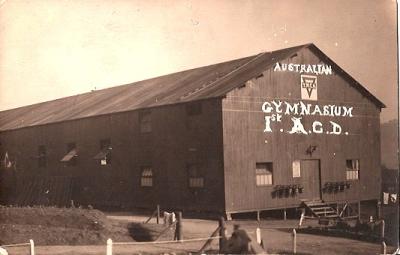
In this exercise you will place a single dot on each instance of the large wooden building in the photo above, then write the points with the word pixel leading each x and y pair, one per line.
pixel 258 133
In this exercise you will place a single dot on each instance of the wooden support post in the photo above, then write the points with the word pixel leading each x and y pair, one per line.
pixel 32 247
pixel 109 246
pixel 303 214
pixel 383 248
pixel 378 209
pixel 158 214
pixel 258 216
pixel 294 235
pixel 359 210
pixel 178 232
pixel 348 210
pixel 337 208
pixel 152 215
pixel 221 225
pixel 284 214
pixel 208 242
pixel 383 230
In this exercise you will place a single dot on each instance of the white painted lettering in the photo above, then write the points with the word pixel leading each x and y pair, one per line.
pixel 319 69
pixel 302 68
pixel 336 128
pixel 267 124
pixel 347 111
pixel 305 109
pixel 277 67
pixel 317 127
pixel 291 109
pixel 332 108
pixel 277 106
pixel 316 110
pixel 266 107
pixel 297 126
pixel 326 110
pixel 328 70
pixel 338 110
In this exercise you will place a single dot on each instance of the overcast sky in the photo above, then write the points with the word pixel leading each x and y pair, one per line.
pixel 51 49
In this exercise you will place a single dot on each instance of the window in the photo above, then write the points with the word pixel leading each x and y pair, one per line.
pixel 42 156
pixel 193 109
pixel 263 174
pixel 105 152
pixel 70 159
pixel 352 169
pixel 196 180
pixel 296 170
pixel 145 121
pixel 147 177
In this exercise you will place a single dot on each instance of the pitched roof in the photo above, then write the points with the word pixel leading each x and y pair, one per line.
pixel 195 84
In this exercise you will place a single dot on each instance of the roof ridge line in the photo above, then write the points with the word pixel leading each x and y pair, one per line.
pixel 222 77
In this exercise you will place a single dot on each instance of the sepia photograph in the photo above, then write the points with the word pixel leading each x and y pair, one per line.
pixel 199 127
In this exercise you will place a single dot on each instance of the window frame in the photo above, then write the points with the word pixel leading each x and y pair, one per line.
pixel 105 146
pixel 146 181
pixel 74 160
pixel 194 176
pixel 353 173
pixel 260 179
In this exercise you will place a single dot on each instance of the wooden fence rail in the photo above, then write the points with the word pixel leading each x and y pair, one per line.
pixel 31 245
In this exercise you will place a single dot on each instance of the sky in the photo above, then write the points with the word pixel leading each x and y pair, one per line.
pixel 52 49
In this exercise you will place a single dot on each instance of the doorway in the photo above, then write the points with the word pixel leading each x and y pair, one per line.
pixel 311 179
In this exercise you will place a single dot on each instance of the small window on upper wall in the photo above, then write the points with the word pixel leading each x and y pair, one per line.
pixel 104 154
pixel 193 109
pixel 352 169
pixel 42 156
pixel 264 174
pixel 145 122
pixel 146 179
pixel 196 179
pixel 70 159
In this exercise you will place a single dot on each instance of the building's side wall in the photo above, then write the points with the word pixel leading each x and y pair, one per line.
pixel 168 149
pixel 245 143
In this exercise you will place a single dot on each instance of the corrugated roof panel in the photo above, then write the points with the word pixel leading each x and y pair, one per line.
pixel 195 84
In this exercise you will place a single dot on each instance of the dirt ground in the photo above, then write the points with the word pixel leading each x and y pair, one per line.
pixel 276 234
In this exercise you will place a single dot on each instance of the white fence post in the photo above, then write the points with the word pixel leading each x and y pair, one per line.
pixel 109 246
pixel 294 241
pixel 258 235
pixel 32 247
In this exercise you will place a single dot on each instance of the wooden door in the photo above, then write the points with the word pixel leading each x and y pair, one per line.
pixel 310 179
